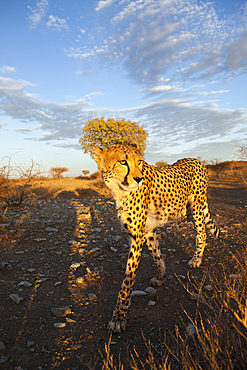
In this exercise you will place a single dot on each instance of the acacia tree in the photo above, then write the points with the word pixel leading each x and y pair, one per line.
pixel 56 172
pixel 103 133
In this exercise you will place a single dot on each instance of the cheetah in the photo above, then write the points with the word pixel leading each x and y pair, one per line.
pixel 146 198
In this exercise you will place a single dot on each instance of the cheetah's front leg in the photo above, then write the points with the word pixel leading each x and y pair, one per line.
pixel 119 320
pixel 153 246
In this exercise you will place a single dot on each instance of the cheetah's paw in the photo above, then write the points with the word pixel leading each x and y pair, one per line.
pixel 193 263
pixel 117 326
pixel 157 282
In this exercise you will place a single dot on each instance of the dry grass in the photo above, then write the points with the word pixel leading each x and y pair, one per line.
pixel 15 180
pixel 219 340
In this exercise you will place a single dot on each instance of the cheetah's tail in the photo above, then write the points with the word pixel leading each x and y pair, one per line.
pixel 214 230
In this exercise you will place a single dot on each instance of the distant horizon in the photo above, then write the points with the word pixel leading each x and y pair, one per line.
pixel 46 172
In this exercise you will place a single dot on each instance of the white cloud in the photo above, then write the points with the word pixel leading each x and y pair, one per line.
pixel 27 130
pixel 59 121
pixel 57 23
pixel 85 72
pixel 7 69
pixel 174 125
pixel 185 40
pixel 83 53
pixel 37 13
pixel 104 3
pixel 13 88
pixel 3 124
pixel 236 52
pixel 159 88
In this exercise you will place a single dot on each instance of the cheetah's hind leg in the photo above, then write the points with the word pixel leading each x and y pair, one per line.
pixel 153 246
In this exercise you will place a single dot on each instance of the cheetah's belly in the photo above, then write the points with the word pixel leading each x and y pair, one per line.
pixel 155 220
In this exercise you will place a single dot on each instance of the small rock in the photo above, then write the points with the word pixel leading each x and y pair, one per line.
pixel 30 343
pixel 75 265
pixel 80 280
pixel 15 298
pixel 138 293
pixel 26 284
pixel 96 229
pixel 51 229
pixel 40 239
pixel 191 329
pixel 151 303
pixel 61 312
pixel 182 277
pixel 60 325
pixel 93 250
pixel 92 296
pixel 113 249
pixel 70 320
pixel 208 288
pixel 31 270
pixel 150 290
pixel 57 283
pixel 2 346
pixel 6 265
pixel 3 359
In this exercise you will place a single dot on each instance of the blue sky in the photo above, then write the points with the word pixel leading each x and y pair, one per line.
pixel 178 67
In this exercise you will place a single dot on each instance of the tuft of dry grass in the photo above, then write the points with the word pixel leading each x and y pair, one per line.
pixel 219 337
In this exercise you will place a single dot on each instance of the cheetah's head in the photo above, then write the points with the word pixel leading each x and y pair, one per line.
pixel 120 166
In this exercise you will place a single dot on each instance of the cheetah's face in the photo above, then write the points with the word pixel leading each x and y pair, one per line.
pixel 120 167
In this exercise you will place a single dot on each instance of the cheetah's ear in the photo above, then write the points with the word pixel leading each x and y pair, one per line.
pixel 97 154
pixel 135 145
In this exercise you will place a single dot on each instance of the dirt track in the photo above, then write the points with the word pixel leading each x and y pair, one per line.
pixel 75 221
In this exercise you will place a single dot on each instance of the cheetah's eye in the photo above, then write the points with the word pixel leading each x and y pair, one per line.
pixel 123 163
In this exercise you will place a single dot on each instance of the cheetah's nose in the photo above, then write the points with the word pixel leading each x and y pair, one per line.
pixel 138 179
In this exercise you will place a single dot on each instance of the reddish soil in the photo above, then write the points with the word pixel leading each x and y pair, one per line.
pixel 83 211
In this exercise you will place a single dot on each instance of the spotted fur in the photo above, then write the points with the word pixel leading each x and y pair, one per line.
pixel 146 198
